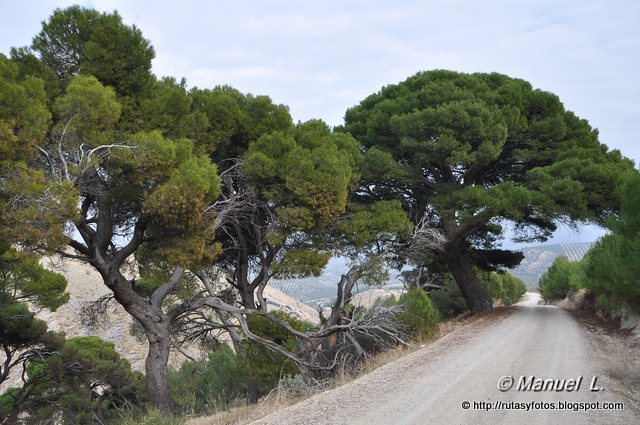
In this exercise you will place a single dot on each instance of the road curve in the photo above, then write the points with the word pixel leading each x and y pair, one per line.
pixel 430 385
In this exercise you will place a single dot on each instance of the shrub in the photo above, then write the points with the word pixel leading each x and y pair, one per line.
pixel 151 417
pixel 293 386
pixel 261 366
pixel 563 276
pixel 205 386
pixel 512 288
pixel 502 286
pixel 418 316
pixel 491 283
pixel 84 380
pixel 448 300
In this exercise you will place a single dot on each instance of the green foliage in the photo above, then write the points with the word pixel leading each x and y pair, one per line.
pixel 166 106
pixel 380 222
pixel 206 386
pixel 78 40
pixel 20 329
pixel 474 150
pixel 418 316
pixel 177 187
pixel 86 110
pixel 225 121
pixel 84 381
pixel 502 286
pixel 300 263
pixel 22 336
pixel 23 279
pixel 262 366
pixel 29 65
pixel 613 263
pixel 562 277
pixel 24 117
pixel 306 173
pixel 448 300
pixel 513 288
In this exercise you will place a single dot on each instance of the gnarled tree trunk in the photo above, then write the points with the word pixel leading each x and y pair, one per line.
pixel 156 324
pixel 460 265
pixel 156 365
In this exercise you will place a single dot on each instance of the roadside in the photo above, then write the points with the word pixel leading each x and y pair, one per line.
pixel 618 350
pixel 239 415
pixel 434 383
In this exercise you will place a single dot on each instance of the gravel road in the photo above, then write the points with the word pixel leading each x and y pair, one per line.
pixel 430 385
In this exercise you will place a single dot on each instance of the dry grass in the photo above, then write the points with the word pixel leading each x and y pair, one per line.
pixel 246 414
pixel 627 372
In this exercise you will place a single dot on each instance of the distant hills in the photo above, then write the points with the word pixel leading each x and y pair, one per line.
pixel 322 289
pixel 537 259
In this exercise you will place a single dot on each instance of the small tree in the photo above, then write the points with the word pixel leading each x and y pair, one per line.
pixel 418 314
pixel 563 276
pixel 85 382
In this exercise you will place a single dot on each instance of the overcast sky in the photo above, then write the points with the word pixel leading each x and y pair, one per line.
pixel 321 57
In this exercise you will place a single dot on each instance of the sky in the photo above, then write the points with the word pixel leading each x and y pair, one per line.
pixel 322 57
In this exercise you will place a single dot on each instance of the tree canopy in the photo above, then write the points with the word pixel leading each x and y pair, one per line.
pixel 612 265
pixel 471 152
pixel 79 40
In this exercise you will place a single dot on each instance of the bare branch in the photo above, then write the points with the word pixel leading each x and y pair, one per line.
pixel 425 240
pixel 49 160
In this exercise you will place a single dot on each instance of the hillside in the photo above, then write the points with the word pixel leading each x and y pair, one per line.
pixel 537 259
pixel 322 289
pixel 85 286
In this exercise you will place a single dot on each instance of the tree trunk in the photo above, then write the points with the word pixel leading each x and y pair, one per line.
pixel 157 327
pixel 247 297
pixel 460 266
pixel 156 368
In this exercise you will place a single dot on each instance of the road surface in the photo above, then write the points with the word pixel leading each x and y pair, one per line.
pixel 430 385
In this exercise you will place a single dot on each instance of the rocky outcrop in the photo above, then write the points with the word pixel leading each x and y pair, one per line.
pixel 583 300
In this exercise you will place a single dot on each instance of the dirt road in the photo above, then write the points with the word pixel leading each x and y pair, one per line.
pixel 430 385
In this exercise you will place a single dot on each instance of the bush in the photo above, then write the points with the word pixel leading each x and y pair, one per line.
pixel 562 277
pixel 261 366
pixel 512 288
pixel 502 286
pixel 205 386
pixel 448 300
pixel 152 417
pixel 419 316
pixel 492 284
pixel 85 379
pixel 292 387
